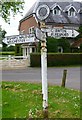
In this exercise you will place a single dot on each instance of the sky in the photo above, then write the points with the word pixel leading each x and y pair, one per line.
pixel 12 29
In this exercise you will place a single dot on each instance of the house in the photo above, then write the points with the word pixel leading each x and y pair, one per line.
pixel 62 14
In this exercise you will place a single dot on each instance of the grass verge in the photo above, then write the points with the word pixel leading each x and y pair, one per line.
pixel 18 98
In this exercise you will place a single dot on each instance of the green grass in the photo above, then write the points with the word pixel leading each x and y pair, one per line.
pixel 0 101
pixel 19 98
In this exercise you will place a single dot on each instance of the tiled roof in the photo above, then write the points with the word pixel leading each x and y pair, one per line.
pixel 77 43
pixel 63 18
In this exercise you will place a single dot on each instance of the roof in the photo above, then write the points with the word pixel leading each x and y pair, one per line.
pixel 77 43
pixel 63 18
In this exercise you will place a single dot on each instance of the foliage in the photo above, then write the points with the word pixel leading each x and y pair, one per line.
pixel 53 44
pixel 18 50
pixel 57 59
pixel 20 99
pixel 7 53
pixel 64 43
pixel 11 48
pixel 6 48
pixel 2 35
pixel 80 31
pixel 6 8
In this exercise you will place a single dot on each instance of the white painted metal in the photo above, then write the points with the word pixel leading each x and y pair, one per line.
pixel 58 33
pixel 17 39
pixel 54 32
pixel 39 12
pixel 39 34
pixel 44 74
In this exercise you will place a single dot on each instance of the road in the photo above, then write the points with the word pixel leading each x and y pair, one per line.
pixel 54 76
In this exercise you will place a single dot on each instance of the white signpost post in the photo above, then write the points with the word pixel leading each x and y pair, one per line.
pixel 42 13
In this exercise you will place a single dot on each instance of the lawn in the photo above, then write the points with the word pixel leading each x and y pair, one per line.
pixel 0 101
pixel 20 98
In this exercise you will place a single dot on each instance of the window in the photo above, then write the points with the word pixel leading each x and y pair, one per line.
pixel 60 49
pixel 71 12
pixel 56 11
pixel 31 30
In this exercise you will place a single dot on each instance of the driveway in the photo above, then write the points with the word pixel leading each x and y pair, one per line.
pixel 54 76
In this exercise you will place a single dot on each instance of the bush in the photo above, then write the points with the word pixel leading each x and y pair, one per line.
pixel 81 48
pixel 7 53
pixel 35 59
pixel 11 48
pixel 5 48
pixel 65 59
pixel 64 43
pixel 53 44
pixel 18 50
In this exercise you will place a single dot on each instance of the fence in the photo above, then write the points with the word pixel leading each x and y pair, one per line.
pixel 13 62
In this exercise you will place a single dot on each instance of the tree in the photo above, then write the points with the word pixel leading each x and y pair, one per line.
pixel 2 35
pixel 52 45
pixel 65 44
pixel 80 33
pixel 6 8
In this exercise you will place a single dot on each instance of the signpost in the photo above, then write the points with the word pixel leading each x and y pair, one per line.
pixel 59 32
pixel 17 39
pixel 42 13
pixel 39 34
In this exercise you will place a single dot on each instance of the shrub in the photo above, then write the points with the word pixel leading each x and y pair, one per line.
pixel 64 43
pixel 81 48
pixel 7 53
pixel 11 48
pixel 18 50
pixel 53 44
pixel 64 59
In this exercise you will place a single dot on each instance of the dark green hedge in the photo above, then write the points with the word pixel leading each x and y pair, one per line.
pixel 65 59
pixel 18 50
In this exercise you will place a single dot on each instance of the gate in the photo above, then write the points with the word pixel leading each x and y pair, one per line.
pixel 14 62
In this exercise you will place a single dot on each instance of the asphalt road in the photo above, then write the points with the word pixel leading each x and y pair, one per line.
pixel 54 76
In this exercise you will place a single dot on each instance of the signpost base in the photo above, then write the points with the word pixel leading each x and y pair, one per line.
pixel 45 113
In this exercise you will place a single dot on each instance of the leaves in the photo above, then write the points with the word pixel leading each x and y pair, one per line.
pixel 8 8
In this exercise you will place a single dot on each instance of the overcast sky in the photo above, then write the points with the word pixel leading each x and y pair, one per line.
pixel 12 29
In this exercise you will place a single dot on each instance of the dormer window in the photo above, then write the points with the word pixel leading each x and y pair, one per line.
pixel 56 11
pixel 72 12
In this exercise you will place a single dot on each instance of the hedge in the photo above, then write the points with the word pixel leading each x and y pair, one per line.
pixel 7 53
pixel 64 59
